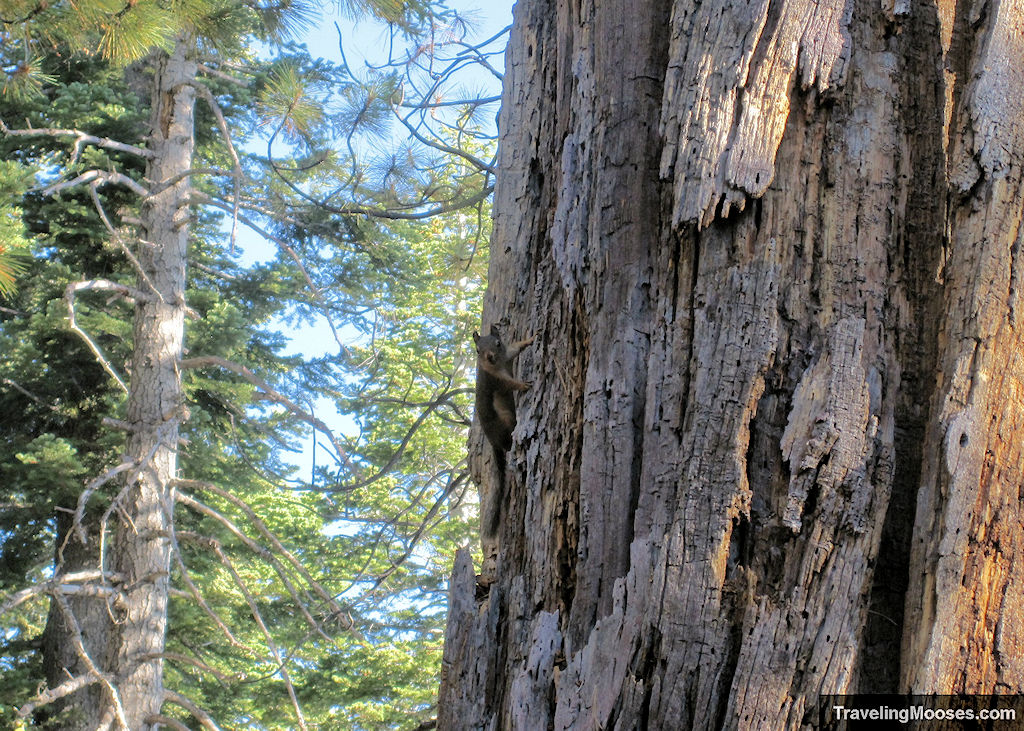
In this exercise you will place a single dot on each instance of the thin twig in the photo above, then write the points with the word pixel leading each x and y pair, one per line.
pixel 117 238
pixel 259 550
pixel 268 638
pixel 265 531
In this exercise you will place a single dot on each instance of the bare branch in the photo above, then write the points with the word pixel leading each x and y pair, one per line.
pixel 217 73
pixel 201 601
pixel 81 138
pixel 116 236
pixel 262 528
pixel 99 177
pixel 431 406
pixel 204 718
pixel 98 284
pixel 60 583
pixel 83 499
pixel 284 245
pixel 72 685
pixel 437 104
pixel 259 550
pixel 29 394
pixel 226 133
pixel 185 659
pixel 156 720
pixel 267 637
pixel 440 146
pixel 83 655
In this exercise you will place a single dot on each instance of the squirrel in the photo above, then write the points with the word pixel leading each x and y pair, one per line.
pixel 496 408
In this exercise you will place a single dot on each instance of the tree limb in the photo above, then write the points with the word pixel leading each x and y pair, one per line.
pixel 81 138
pixel 204 718
pixel 226 133
pixel 99 177
pixel 100 284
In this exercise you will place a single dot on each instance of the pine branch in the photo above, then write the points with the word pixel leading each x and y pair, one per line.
pixel 441 147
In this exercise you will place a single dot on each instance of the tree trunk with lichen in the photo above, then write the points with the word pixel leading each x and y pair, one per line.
pixel 770 253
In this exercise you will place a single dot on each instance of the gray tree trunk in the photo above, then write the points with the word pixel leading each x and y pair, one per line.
pixel 140 552
pixel 771 255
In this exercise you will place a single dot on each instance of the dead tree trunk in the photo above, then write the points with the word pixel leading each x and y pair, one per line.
pixel 770 253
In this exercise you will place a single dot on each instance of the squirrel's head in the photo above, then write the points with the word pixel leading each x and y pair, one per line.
pixel 489 347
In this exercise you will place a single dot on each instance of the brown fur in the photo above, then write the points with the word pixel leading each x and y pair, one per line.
pixel 496 406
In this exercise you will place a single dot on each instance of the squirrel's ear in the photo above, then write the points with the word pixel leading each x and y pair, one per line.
pixel 494 331
pixel 476 337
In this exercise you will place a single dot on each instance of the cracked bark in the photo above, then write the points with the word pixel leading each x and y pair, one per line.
pixel 770 254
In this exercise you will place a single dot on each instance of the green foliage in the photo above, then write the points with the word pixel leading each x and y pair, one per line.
pixel 15 180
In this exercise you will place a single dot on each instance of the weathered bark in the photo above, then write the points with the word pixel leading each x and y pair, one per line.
pixel 770 254
pixel 141 547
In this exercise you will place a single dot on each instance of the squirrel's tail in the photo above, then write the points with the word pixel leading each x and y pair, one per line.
pixel 492 498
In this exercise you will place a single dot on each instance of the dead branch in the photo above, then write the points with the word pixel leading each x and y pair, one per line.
pixel 268 638
pixel 194 590
pixel 261 551
pixel 262 528
pixel 155 720
pixel 83 499
pixel 72 685
pixel 431 406
pixel 226 133
pixel 202 198
pixel 204 718
pixel 63 583
pixel 93 671
pixel 441 147
pixel 99 177
pixel 81 138
pixel 117 238
pixel 217 73
pixel 224 678
pixel 29 394
pixel 115 504
pixel 98 284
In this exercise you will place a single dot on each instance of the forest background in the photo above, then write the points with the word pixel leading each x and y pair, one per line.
pixel 308 448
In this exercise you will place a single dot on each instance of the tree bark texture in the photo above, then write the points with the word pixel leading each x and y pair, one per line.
pixel 771 253
pixel 140 552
